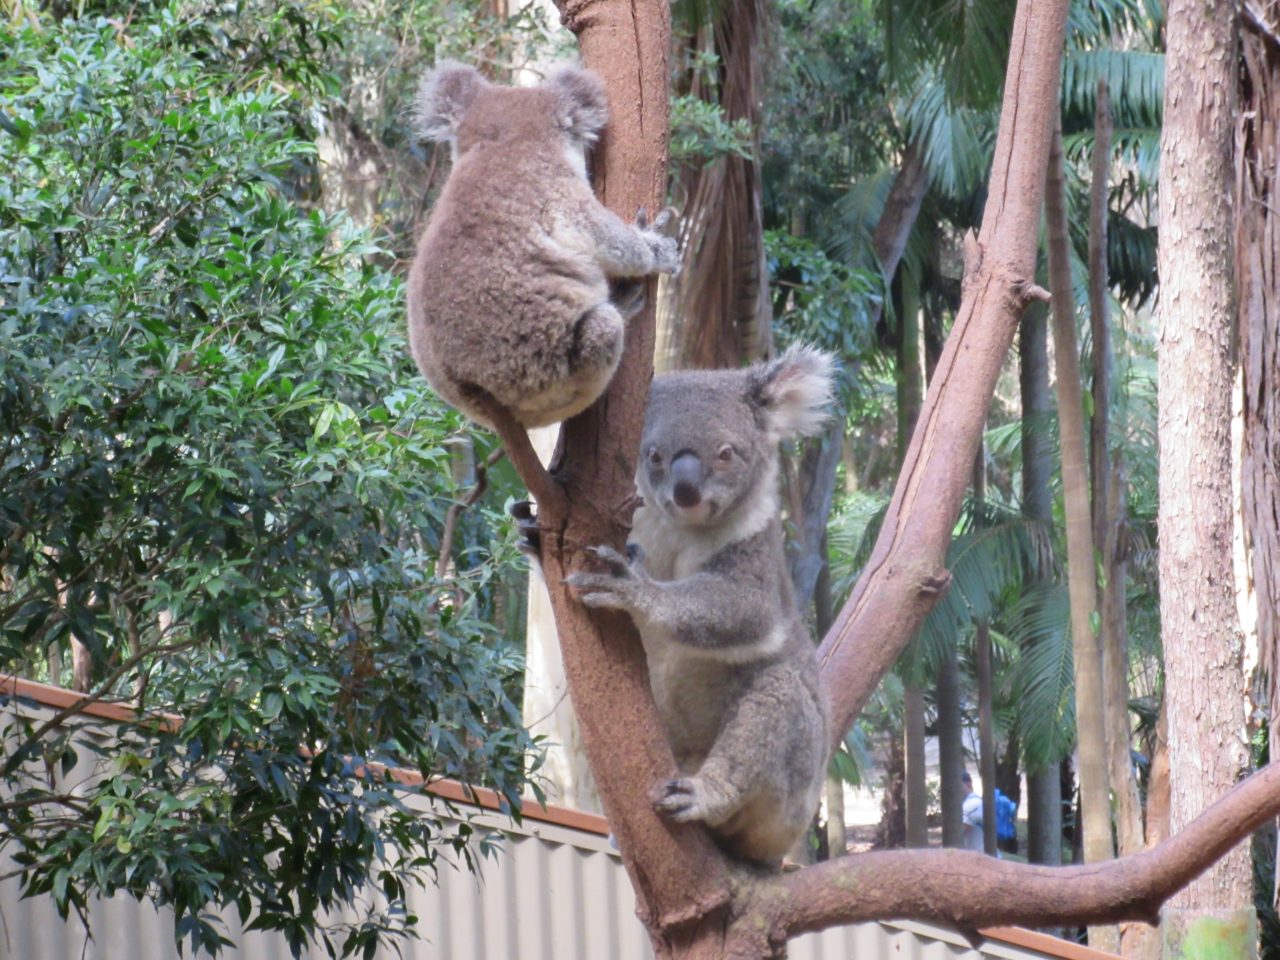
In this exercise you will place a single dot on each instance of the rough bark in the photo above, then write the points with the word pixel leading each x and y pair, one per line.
pixel 1203 648
pixel 1095 800
pixel 1258 269
pixel 906 569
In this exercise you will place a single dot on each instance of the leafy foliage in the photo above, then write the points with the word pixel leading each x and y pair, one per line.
pixel 221 485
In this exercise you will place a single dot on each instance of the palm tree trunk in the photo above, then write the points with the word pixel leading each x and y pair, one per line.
pixel 1095 800
pixel 950 750
pixel 1044 785
pixel 986 738
pixel 1136 939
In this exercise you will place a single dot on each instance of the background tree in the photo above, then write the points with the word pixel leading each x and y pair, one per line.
pixel 1203 645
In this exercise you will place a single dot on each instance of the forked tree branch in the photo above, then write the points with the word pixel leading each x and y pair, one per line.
pixel 968 890
pixel 906 574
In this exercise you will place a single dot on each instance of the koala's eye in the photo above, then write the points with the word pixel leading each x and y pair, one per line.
pixel 725 454
pixel 655 457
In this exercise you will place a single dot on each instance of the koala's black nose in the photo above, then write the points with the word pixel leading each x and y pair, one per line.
pixel 686 479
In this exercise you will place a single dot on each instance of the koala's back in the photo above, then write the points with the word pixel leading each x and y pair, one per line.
pixel 501 274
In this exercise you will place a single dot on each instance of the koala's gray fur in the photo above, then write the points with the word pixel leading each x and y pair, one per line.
pixel 509 291
pixel 731 665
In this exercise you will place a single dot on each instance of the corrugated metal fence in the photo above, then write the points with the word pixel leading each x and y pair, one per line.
pixel 555 892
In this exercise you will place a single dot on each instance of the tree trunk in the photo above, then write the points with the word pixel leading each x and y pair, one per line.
pixel 950 750
pixel 913 755
pixel 986 738
pixel 1095 800
pixel 720 307
pixel 1203 647
pixel 1044 788
pixel 1109 502
pixel 1136 939
pixel 910 393
pixel 682 882
pixel 1258 268
pixel 904 574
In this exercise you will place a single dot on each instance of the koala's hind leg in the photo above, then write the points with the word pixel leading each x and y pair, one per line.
pixel 738 767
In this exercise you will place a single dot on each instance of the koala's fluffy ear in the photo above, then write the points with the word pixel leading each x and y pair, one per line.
pixel 443 97
pixel 793 391
pixel 582 109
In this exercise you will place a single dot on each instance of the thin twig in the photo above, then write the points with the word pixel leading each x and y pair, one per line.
pixel 19 754
pixel 455 510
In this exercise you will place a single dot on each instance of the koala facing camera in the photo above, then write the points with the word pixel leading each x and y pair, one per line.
pixel 732 668
pixel 509 292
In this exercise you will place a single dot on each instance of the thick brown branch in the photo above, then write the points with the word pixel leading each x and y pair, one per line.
pixel 677 873
pixel 545 489
pixel 969 890
pixel 887 606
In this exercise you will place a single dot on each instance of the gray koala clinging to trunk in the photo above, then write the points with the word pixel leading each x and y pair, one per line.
pixel 509 293
pixel 731 665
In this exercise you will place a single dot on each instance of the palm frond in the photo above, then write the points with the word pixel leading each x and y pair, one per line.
pixel 1090 23
pixel 859 210
pixel 955 141
pixel 1043 681
pixel 1135 86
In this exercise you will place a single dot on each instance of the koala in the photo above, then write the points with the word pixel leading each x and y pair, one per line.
pixel 732 668
pixel 509 292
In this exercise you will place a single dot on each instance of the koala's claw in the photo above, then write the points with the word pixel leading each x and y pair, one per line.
pixel 664 219
pixel 530 541
pixel 679 800
pixel 618 565
pixel 596 590
pixel 666 253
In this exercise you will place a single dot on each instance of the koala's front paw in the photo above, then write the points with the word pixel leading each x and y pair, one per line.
pixel 692 798
pixel 665 249
pixel 666 252
pixel 615 590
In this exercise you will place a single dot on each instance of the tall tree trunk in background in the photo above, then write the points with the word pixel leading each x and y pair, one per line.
pixel 910 396
pixel 1095 800
pixel 950 749
pixel 986 737
pixel 898 219
pixel 1106 470
pixel 1258 267
pixel 1044 788
pixel 1203 646
pixel 914 758
pixel 986 691
pixel 719 306
pixel 823 614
